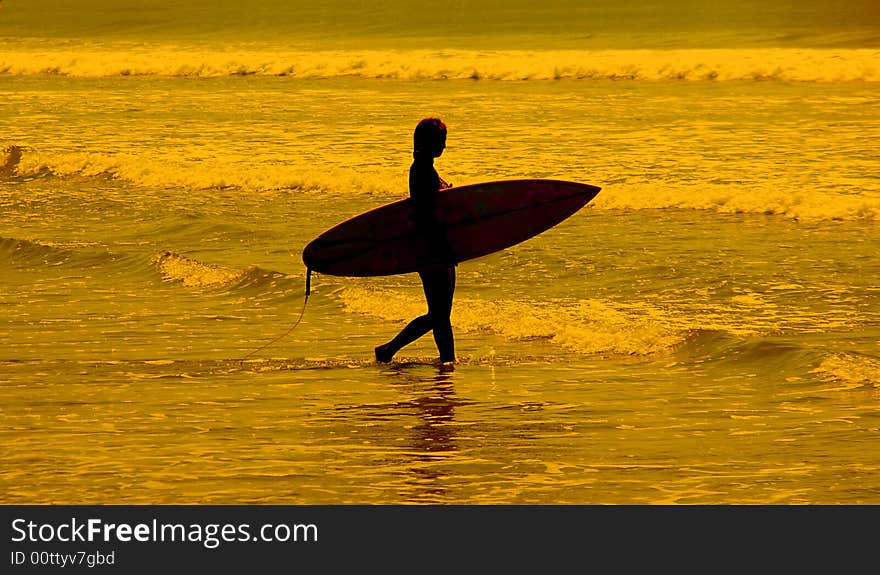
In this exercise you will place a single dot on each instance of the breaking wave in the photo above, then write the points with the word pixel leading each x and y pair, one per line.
pixel 813 204
pixel 850 370
pixel 163 172
pixel 587 326
pixel 27 251
pixel 193 273
pixel 172 173
pixel 787 64
pixel 174 268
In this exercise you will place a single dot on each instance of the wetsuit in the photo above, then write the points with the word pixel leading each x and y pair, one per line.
pixel 438 282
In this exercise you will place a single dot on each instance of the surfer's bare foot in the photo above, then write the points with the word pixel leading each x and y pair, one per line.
pixel 383 355
pixel 446 366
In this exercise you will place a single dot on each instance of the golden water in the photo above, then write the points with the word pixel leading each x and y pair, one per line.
pixel 707 330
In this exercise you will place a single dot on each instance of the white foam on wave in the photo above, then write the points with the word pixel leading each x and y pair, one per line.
pixel 120 59
pixel 851 370
pixel 174 171
pixel 156 170
pixel 193 273
pixel 812 204
pixel 585 326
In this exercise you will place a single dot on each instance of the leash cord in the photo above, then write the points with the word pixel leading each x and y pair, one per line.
pixel 296 323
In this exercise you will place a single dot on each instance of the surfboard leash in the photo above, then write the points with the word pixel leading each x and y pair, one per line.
pixel 295 324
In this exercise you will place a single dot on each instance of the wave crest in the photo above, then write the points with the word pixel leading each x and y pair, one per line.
pixel 193 273
pixel 33 251
pixel 587 326
pixel 853 371
pixel 170 171
pixel 788 64
pixel 807 205
pixel 9 160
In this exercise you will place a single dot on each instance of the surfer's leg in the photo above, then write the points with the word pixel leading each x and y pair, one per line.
pixel 439 289
pixel 439 286
pixel 413 331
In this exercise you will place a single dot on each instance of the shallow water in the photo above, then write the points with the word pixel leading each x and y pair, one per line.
pixel 498 430
pixel 707 330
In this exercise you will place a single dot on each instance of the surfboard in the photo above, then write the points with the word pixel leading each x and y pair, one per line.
pixel 476 220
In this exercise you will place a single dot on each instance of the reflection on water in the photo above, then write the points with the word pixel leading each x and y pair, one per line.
pixel 528 432
pixel 432 437
pixel 421 428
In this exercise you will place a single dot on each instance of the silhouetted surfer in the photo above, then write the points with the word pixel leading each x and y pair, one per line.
pixel 429 141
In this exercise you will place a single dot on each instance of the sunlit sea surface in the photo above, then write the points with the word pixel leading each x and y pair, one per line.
pixel 707 330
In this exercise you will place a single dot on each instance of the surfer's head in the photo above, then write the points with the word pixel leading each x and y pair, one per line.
pixel 429 139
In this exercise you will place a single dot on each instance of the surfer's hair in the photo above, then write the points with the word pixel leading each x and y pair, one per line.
pixel 430 136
